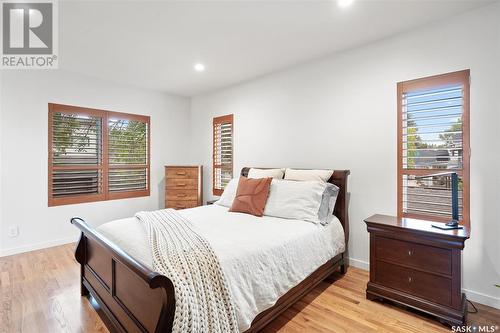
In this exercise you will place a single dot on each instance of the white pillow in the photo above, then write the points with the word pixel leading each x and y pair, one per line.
pixel 318 175
pixel 266 173
pixel 227 197
pixel 295 200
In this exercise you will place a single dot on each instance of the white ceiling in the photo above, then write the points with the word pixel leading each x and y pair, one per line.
pixel 155 44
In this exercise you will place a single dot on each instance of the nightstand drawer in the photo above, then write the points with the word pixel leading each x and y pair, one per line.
pixel 180 184
pixel 191 195
pixel 429 258
pixel 428 286
pixel 182 173
pixel 181 204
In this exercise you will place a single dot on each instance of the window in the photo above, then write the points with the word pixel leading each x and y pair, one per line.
pixel 96 155
pixel 223 153
pixel 433 137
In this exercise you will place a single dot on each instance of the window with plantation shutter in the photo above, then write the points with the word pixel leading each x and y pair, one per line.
pixel 76 156
pixel 128 155
pixel 222 152
pixel 96 155
pixel 433 137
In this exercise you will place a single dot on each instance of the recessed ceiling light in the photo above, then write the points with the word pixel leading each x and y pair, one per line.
pixel 199 67
pixel 345 3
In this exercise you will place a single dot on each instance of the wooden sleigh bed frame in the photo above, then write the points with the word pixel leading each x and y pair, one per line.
pixel 130 297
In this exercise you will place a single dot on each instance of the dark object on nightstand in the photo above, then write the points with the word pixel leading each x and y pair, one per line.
pixel 211 202
pixel 414 264
pixel 453 224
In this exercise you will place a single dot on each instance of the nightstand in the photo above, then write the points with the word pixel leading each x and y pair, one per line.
pixel 414 264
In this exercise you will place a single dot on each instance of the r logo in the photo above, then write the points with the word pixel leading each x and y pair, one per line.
pixel 27 28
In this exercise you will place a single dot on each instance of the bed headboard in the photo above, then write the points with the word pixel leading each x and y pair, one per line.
pixel 341 211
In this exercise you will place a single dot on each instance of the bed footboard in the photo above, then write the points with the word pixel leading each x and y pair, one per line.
pixel 131 296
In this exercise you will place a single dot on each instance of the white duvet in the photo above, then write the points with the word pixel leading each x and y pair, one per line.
pixel 262 257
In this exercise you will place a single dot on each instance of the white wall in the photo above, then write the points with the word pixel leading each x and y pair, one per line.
pixel 23 144
pixel 340 112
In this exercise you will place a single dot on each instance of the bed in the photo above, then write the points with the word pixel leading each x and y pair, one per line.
pixel 269 266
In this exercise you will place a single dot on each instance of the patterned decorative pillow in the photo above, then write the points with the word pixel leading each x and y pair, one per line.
pixel 251 196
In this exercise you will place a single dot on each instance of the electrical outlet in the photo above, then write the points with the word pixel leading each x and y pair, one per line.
pixel 13 231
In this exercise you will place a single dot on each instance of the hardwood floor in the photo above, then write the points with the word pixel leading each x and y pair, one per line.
pixel 39 292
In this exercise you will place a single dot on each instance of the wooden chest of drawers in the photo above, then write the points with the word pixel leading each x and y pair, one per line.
pixel 414 264
pixel 183 186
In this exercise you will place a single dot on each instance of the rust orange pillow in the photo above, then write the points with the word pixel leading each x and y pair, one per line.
pixel 251 196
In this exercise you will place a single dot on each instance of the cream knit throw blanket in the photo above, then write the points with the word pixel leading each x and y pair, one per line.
pixel 202 299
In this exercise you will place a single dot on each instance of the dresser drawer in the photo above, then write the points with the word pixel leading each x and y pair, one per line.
pixel 182 173
pixel 181 204
pixel 191 195
pixel 429 286
pixel 181 184
pixel 429 258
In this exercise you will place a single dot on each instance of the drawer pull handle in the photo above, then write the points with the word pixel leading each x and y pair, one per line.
pixel 410 253
pixel 181 195
pixel 181 184
pixel 181 173
pixel 410 279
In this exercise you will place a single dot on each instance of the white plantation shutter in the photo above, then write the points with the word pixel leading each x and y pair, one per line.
pixel 433 134
pixel 222 152
pixel 96 155
pixel 432 128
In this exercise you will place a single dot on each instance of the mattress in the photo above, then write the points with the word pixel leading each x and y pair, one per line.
pixel 262 257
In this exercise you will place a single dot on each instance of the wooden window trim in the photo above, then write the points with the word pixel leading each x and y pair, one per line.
pixel 221 120
pixel 104 167
pixel 460 77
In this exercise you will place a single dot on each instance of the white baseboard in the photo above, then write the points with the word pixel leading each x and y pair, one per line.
pixel 359 264
pixel 37 246
pixel 473 296
pixel 478 297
